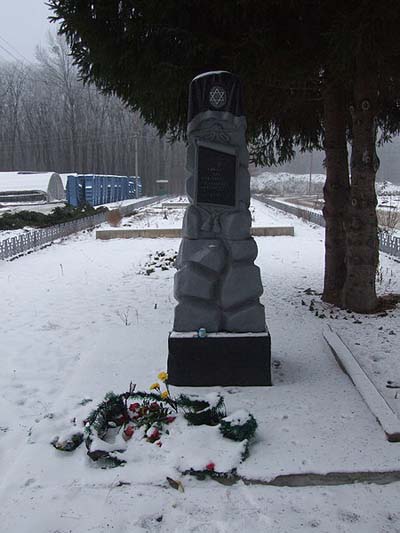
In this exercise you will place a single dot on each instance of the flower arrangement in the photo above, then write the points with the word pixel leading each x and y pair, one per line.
pixel 109 427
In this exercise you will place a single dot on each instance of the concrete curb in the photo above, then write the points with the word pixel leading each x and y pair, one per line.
pixel 156 233
pixel 382 411
pixel 309 479
pixel 312 479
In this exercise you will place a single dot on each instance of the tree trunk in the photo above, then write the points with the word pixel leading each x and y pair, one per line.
pixel 336 194
pixel 362 225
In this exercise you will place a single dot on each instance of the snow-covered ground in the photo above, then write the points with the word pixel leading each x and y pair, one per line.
pixel 62 340
pixel 387 188
pixel 7 234
pixel 158 216
pixel 284 183
pixel 42 207
pixel 386 201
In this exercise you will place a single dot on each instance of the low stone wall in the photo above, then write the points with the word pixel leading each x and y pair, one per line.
pixel 157 233
pixel 175 205
pixel 273 231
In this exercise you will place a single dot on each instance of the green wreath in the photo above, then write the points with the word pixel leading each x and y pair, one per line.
pixel 123 414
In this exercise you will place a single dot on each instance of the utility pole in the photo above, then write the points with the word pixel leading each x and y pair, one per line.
pixel 309 181
pixel 136 137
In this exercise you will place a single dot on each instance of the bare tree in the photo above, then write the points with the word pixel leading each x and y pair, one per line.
pixel 50 120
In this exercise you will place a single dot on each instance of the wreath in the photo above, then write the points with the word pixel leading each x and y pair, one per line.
pixel 109 427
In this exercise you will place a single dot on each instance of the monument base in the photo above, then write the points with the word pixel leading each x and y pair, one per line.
pixel 224 359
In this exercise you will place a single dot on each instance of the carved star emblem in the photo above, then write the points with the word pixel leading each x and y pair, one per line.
pixel 217 96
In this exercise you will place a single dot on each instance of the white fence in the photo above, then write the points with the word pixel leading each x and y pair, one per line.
pixel 389 244
pixel 32 240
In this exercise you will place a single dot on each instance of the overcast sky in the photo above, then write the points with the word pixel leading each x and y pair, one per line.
pixel 23 25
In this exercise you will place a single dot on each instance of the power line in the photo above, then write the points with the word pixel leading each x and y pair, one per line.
pixel 10 53
pixel 4 58
pixel 24 58
pixel 96 140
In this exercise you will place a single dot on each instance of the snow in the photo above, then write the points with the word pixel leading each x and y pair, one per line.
pixel 64 177
pixel 286 183
pixel 62 340
pixel 210 73
pixel 239 417
pixel 385 416
pixel 185 334
pixel 387 188
pixel 158 217
pixel 17 181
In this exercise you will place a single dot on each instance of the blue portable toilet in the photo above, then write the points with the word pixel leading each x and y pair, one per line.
pixel 139 191
pixel 96 189
pixel 76 190
pixel 132 187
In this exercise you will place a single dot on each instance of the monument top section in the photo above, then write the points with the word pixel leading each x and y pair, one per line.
pixel 215 91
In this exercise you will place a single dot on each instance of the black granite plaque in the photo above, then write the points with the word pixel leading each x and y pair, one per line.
pixel 216 179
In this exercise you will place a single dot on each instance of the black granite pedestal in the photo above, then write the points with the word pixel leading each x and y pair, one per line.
pixel 224 359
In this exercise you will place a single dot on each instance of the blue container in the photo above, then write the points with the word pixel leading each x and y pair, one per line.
pixel 139 188
pixel 135 187
pixel 95 189
pixel 132 187
pixel 75 190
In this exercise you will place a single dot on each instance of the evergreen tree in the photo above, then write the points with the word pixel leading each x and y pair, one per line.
pixel 304 66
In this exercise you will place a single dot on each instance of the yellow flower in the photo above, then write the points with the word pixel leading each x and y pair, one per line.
pixel 154 386
pixel 164 394
pixel 163 376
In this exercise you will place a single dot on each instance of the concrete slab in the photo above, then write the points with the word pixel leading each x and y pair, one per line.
pixel 370 394
pixel 157 233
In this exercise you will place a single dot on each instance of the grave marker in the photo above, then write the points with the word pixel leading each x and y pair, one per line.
pixel 217 284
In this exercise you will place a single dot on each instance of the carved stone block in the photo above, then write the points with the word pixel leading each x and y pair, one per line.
pixel 192 315
pixel 209 253
pixel 249 318
pixel 191 281
pixel 241 284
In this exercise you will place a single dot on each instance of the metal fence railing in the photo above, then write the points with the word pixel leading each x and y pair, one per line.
pixel 32 240
pixel 388 243
pixel 310 216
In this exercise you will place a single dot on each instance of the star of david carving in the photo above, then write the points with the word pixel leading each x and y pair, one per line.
pixel 217 96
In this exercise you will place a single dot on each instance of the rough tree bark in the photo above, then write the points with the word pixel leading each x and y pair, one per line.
pixel 362 225
pixel 336 194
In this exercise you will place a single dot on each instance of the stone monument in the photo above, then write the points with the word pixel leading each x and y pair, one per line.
pixel 219 335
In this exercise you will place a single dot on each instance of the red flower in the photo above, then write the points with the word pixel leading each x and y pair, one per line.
pixel 155 434
pixel 120 420
pixel 154 406
pixel 210 467
pixel 134 406
pixel 170 419
pixel 129 431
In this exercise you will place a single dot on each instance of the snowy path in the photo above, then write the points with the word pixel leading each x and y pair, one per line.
pixel 62 340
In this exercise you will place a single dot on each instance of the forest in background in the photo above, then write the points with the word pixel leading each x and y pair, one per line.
pixel 51 121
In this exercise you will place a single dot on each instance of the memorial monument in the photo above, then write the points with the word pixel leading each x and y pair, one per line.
pixel 219 335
